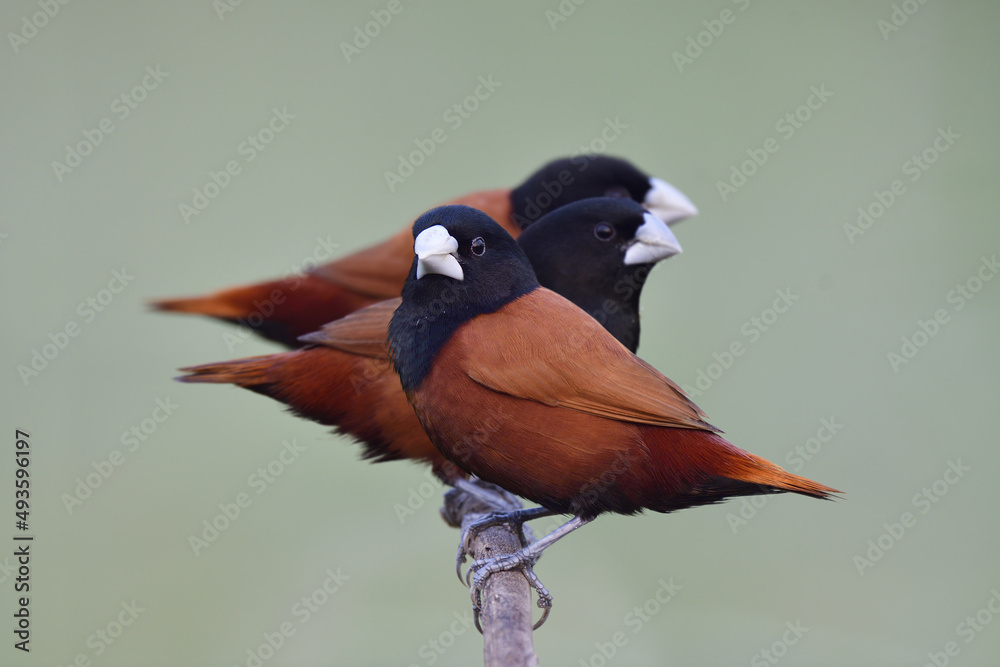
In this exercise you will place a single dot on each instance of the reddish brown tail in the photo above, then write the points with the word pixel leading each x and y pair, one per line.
pixel 281 310
pixel 315 383
pixel 357 395
pixel 699 467
pixel 251 373
pixel 746 468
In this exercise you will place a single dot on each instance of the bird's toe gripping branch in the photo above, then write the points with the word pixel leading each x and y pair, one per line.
pixel 523 561
pixel 517 517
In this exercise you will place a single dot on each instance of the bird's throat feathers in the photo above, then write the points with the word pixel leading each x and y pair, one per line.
pixel 433 309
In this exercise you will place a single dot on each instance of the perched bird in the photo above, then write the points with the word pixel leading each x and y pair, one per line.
pixel 598 252
pixel 285 309
pixel 563 414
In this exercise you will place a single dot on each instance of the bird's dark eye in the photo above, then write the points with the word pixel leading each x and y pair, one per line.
pixel 617 191
pixel 478 246
pixel 603 231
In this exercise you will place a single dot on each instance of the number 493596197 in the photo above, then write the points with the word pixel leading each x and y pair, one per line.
pixel 22 480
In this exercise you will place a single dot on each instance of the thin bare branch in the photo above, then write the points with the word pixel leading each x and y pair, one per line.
pixel 506 603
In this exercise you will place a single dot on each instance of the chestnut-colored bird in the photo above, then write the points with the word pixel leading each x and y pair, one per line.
pixel 563 414
pixel 598 252
pixel 285 309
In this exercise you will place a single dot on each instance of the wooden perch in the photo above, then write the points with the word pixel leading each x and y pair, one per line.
pixel 506 604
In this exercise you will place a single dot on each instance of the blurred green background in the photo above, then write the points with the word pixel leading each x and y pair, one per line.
pixel 700 89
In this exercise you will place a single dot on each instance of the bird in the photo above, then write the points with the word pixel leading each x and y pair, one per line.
pixel 563 414
pixel 285 309
pixel 596 251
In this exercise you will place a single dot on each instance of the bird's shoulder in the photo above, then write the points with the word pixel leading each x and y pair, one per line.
pixel 542 347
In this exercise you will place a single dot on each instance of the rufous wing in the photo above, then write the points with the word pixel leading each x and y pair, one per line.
pixel 363 332
pixel 543 348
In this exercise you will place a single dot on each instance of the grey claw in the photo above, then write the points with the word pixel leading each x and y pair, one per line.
pixel 520 561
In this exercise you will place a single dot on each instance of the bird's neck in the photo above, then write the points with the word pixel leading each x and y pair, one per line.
pixel 421 327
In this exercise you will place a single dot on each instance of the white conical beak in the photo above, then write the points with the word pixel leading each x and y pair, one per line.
pixel 653 241
pixel 434 247
pixel 668 203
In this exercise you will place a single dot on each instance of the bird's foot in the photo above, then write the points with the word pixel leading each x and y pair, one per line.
pixel 523 561
pixel 517 517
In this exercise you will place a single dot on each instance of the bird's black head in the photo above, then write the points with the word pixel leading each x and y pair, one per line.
pixel 567 180
pixel 465 265
pixel 598 253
